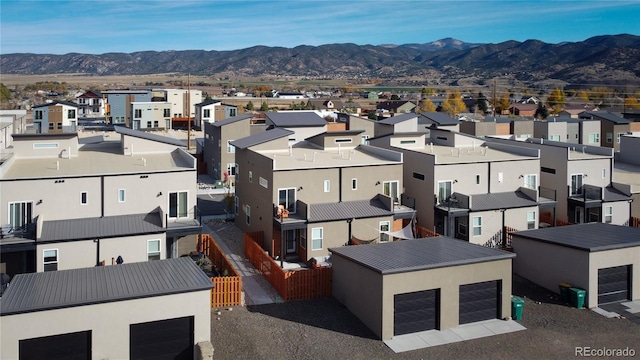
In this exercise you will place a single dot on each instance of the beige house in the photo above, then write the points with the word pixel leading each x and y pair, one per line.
pixel 467 188
pixel 317 194
pixel 520 128
pixel 570 130
pixel 210 111
pixel 302 124
pixel 157 309
pixel 69 203
pixel 218 152
pixel 440 120
pixel 626 171
pixel 612 127
pixel 602 259
pixel 55 117
pixel 151 115
pixel 428 284
pixel 358 123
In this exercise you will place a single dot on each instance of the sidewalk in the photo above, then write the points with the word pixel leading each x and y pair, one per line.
pixel 256 289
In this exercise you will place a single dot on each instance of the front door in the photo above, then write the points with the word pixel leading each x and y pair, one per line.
pixel 136 124
pixel 291 236
pixel 579 219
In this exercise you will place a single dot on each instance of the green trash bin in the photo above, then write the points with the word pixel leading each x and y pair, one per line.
pixel 517 307
pixel 577 297
pixel 564 292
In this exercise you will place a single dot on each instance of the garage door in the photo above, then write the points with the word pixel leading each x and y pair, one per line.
pixel 164 339
pixel 480 301
pixel 613 284
pixel 416 311
pixel 69 346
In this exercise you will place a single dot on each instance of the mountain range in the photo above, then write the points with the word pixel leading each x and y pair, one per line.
pixel 608 59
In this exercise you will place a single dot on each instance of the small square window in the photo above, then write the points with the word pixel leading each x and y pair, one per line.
pixel 316 238
pixel 153 250
pixel 50 259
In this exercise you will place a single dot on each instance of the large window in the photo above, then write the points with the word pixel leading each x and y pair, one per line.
pixel 137 113
pixel 390 188
pixel 178 204
pixel 531 181
pixel 230 148
pixel 232 169
pixel 166 112
pixel 576 184
pixel 50 259
pixel 477 226
pixel 594 138
pixel 608 214
pixel 609 138
pixel 71 114
pixel 287 198
pixel 554 137
pixel 384 227
pixel 20 214
pixel 444 190
pixel 153 250
pixel 207 113
pixel 531 219
pixel 316 238
pixel 38 115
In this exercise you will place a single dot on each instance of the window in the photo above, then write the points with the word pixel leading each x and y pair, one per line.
pixel 232 112
pixel 236 201
pixel 20 214
pixel 609 138
pixel 83 198
pixel 316 238
pixel 327 185
pixel 444 190
pixel 364 139
pixel 148 124
pixel 230 148
pixel 554 137
pixel 531 181
pixel 50 126
pixel 342 141
pixel 390 188
pixel 137 113
pixel 547 170
pixel 287 198
pixel 608 214
pixel 477 226
pixel 618 137
pixel 604 173
pixel 354 184
pixel 155 123
pixel 594 138
pixel 166 113
pixel 384 226
pixel 40 146
pixel 153 250
pixel 59 127
pixel 178 204
pixel 71 114
pixel 531 219
pixel 248 211
pixel 406 142
pixel 231 169
pixel 250 176
pixel 418 176
pixel 121 195
pixel 264 182
pixel 207 113
pixel 500 177
pixel 50 259
pixel 576 184
pixel 38 115
pixel 477 179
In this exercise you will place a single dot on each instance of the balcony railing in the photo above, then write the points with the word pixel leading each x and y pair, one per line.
pixel 192 218
pixel 28 231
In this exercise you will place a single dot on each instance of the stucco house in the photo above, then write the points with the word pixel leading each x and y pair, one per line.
pixel 55 117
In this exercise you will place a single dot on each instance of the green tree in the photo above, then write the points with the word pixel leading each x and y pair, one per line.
pixel 541 111
pixel 249 106
pixel 426 105
pixel 395 97
pixel 5 93
pixel 264 106
pixel 483 103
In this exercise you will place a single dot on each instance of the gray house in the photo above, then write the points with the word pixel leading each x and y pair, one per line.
pixel 218 152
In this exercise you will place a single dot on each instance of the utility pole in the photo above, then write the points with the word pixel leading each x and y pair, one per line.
pixel 189 112
pixel 494 98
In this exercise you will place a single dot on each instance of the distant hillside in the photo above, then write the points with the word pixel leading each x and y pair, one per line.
pixel 601 59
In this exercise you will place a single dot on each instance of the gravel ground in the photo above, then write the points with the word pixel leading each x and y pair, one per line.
pixel 324 329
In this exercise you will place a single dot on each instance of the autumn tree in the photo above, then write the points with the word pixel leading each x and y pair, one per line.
pixel 583 95
pixel 632 103
pixel 503 103
pixel 453 104
pixel 556 100
pixel 426 105
pixel 427 91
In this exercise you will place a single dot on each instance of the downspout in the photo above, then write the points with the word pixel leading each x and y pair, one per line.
pixel 102 196
pixel 97 241
pixel 339 184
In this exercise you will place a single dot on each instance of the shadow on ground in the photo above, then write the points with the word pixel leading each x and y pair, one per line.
pixel 325 313
pixel 528 290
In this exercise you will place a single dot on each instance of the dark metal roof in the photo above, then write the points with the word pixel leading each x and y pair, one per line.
pixel 398 119
pixel 295 119
pixel 100 228
pixel 208 102
pixel 149 136
pixel 438 118
pixel 347 210
pixel 95 285
pixel 505 200
pixel 589 237
pixel 261 137
pixel 230 120
pixel 61 102
pixel 47 135
pixel 603 115
pixel 610 193
pixel 420 254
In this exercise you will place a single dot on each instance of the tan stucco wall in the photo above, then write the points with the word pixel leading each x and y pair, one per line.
pixel 109 322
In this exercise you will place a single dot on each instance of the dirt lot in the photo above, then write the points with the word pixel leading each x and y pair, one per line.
pixel 324 329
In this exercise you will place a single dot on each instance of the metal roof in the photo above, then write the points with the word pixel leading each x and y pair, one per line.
pixel 149 136
pixel 208 102
pixel 101 227
pixel 295 119
pixel 589 237
pixel 610 193
pixel 398 119
pixel 439 118
pixel 347 210
pixel 95 285
pixel 230 120
pixel 505 200
pixel 61 102
pixel 261 137
pixel 603 115
pixel 420 254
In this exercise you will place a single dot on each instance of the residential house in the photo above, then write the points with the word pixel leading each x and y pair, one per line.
pixel 69 203
pixel 183 106
pixel 289 95
pixel 218 152
pixel 626 172
pixel 440 120
pixel 570 130
pixel 524 110
pixel 398 124
pixel 520 128
pixel 11 122
pixel 354 122
pixel 574 110
pixel 466 187
pixel 118 106
pixel 303 124
pixel 55 117
pixel 150 115
pixel 579 178
pixel 90 104
pixel 529 99
pixel 611 127
pixel 213 110
pixel 396 106
pixel 320 193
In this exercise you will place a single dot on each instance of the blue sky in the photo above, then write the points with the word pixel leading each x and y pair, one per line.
pixel 97 27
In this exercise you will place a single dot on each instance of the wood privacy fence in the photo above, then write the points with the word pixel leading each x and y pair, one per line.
pixel 547 218
pixel 635 222
pixel 227 289
pixel 423 232
pixel 307 283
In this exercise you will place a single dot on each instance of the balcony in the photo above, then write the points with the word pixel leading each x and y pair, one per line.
pixel 25 235
pixel 190 223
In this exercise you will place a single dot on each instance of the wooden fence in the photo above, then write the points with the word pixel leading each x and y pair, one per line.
pixel 547 218
pixel 635 222
pixel 227 289
pixel 290 284
pixel 423 232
